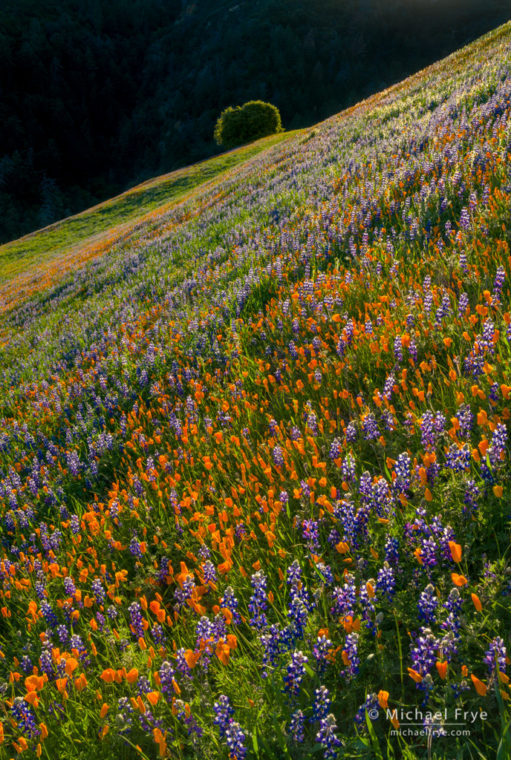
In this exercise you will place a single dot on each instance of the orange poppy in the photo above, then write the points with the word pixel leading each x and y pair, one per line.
pixel 455 551
pixel 477 602
pixel 480 687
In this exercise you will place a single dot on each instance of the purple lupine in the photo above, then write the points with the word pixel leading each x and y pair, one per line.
pixel 335 449
pixel 398 348
pixel 423 653
pixel 392 550
pixel 428 552
pixel 164 569
pixel 464 219
pixel 454 601
pixel 381 498
pixel 403 469
pixel 299 603
pixel 495 657
pixel 427 604
pixel 230 603
pixel 348 468
pixel 388 420
pixel 298 613
pixel 458 458
pixel 181 663
pixel 328 738
pixel 24 716
pixel 136 621
pixel 351 649
pixel 235 740
pixel 498 284
pixel 135 548
pixel 368 606
pixel 223 714
pixel 295 673
pixel 258 603
pixel 432 425
pixel 166 673
pixel 48 613
pixel 312 423
pixel 344 598
pixel 385 581
pixel 463 304
pixel 321 650
pixel 494 392
pixel 125 716
pixel 497 448
pixel 27 665
pixel 75 524
pixel 412 350
pixel 465 418
pixel 305 490
pixel 370 427
pixel 98 591
pixel 209 571
pixel 158 635
pixel 277 456
pixel 471 496
pixel 443 310
pixel 73 463
pixel 46 662
pixel 325 572
pixel 321 703
pixel 206 640
pixel 310 532
pixel 272 648
pixel 388 388
pixel 371 707
pixel 351 432
pixel 76 643
pixel 296 726
pixel 448 645
pixel 182 595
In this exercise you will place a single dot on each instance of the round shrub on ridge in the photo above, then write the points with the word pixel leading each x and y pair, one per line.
pixel 248 122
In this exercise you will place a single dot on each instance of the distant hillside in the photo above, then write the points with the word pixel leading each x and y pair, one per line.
pixel 97 95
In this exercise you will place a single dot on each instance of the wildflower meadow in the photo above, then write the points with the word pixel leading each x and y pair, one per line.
pixel 254 458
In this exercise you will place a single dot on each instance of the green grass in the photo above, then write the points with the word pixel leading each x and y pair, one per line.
pixel 120 212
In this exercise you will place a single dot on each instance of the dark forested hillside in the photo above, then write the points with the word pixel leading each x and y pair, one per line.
pixel 98 94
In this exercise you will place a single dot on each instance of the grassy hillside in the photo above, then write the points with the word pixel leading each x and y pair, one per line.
pixel 35 261
pixel 254 459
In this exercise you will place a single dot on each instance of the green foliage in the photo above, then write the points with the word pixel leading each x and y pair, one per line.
pixel 248 122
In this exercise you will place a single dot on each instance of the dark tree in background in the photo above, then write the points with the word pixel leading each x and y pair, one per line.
pixel 242 124
pixel 96 95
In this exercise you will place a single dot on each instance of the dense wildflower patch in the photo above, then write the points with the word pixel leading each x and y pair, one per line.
pixel 254 465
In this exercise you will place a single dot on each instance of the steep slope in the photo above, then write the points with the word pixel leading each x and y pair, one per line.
pixel 254 462
pixel 33 263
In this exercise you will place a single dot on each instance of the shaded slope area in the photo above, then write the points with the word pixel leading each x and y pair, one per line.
pixel 99 95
